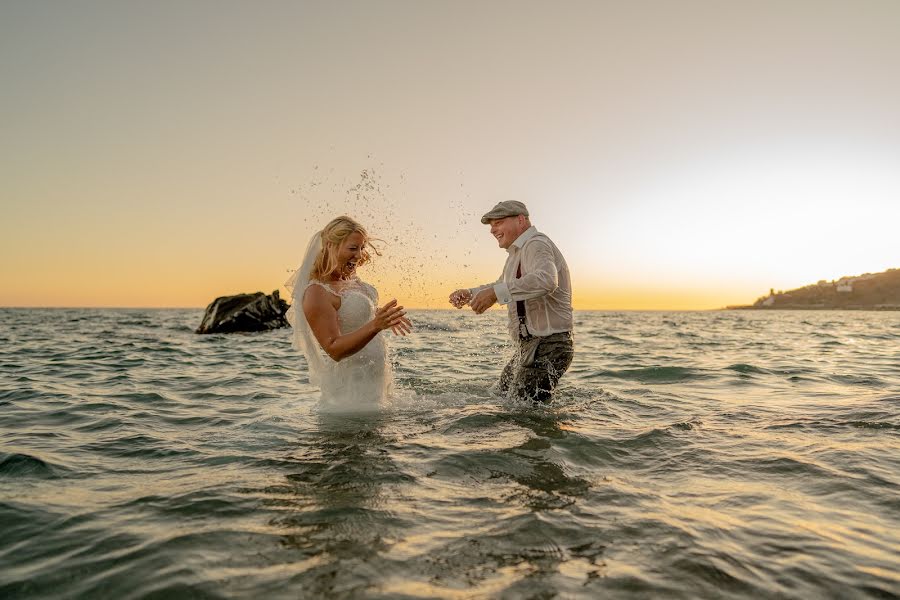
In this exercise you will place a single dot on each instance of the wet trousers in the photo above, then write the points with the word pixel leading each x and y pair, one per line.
pixel 536 366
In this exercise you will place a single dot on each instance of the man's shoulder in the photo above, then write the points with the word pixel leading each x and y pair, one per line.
pixel 540 239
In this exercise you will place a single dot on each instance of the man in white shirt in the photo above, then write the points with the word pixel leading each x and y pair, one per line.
pixel 537 290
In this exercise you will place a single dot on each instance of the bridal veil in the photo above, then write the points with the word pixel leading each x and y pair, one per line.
pixel 303 338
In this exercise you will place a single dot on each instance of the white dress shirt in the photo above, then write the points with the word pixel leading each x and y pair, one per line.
pixel 545 285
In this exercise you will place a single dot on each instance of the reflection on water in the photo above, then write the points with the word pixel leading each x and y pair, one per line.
pixel 337 479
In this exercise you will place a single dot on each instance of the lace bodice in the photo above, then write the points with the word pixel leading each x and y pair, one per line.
pixel 358 302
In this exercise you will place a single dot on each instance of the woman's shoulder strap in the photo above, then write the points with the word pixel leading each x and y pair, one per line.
pixel 327 287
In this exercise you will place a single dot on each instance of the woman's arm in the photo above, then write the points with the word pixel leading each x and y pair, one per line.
pixel 321 314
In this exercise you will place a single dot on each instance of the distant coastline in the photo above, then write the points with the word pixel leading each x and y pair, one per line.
pixel 870 291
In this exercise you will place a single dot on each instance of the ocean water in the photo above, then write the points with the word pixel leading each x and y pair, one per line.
pixel 687 455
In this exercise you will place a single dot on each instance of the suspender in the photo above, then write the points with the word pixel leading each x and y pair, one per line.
pixel 520 308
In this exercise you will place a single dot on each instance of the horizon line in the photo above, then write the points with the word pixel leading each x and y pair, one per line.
pixel 101 307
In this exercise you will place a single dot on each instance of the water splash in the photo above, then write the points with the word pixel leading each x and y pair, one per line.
pixel 415 251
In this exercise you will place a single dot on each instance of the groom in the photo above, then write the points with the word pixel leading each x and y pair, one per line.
pixel 537 291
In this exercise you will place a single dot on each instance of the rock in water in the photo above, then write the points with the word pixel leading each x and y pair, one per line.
pixel 245 312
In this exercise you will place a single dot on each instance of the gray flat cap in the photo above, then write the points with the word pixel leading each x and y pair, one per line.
pixel 507 208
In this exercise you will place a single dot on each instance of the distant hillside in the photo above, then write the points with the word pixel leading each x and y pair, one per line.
pixel 872 291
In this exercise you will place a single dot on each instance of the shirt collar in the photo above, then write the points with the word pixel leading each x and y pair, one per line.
pixel 523 237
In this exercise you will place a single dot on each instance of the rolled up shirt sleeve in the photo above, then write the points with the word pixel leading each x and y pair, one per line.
pixel 474 291
pixel 502 291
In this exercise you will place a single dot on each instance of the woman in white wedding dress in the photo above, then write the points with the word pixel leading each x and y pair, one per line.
pixel 336 320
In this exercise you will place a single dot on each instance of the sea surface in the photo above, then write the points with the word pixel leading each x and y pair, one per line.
pixel 686 455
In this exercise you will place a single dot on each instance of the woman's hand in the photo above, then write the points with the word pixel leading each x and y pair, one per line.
pixel 403 328
pixel 391 316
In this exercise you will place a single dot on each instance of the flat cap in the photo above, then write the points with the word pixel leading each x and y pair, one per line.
pixel 507 208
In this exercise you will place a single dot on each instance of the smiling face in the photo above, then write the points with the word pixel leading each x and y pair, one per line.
pixel 349 253
pixel 508 229
pixel 345 246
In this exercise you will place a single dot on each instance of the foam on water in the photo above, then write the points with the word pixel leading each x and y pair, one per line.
pixel 743 458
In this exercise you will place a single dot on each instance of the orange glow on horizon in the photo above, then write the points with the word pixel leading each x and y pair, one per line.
pixel 198 294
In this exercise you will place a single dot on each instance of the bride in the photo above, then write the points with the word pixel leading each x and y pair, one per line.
pixel 336 320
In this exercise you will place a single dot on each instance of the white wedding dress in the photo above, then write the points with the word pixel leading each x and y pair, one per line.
pixel 363 380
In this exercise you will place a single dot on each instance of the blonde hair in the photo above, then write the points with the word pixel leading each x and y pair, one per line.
pixel 333 235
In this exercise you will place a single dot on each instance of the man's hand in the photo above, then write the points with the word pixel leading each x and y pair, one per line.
pixel 460 298
pixel 483 300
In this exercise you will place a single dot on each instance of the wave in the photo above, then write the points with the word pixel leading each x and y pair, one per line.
pixel 140 446
pixel 785 465
pixel 655 374
pixel 686 425
pixel 601 334
pixel 869 419
pixel 25 465
pixel 748 369
pixel 205 503
pixel 863 380
pixel 431 326
pixel 102 424
pixel 874 425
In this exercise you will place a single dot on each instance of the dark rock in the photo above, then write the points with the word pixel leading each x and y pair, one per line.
pixel 245 312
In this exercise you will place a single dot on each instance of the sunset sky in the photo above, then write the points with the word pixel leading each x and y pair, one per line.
pixel 683 155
